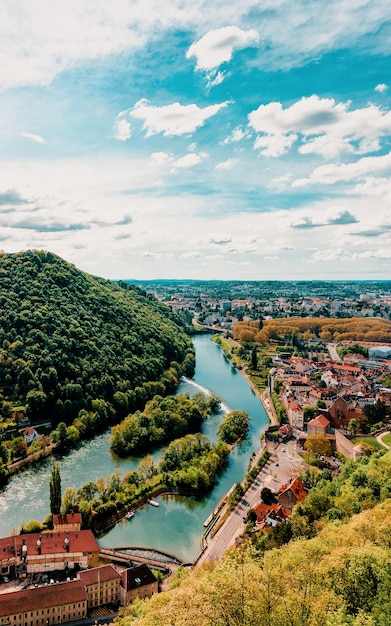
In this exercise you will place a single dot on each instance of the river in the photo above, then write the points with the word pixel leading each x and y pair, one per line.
pixel 177 524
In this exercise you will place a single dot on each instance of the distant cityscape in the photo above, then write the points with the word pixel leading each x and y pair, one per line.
pixel 226 302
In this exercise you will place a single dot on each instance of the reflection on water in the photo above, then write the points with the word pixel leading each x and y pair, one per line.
pixel 177 524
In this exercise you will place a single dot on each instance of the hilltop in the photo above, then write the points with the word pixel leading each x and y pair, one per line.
pixel 68 339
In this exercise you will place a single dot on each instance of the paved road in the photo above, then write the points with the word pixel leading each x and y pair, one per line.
pixel 282 466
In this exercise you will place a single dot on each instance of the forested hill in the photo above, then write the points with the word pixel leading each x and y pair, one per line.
pixel 68 338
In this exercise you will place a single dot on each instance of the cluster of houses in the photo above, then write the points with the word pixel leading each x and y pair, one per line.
pixel 342 390
pixel 65 579
pixel 269 515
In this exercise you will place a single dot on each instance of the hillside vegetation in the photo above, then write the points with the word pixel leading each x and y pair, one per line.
pixel 326 329
pixel 69 339
pixel 339 577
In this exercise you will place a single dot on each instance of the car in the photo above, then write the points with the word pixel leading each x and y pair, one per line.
pixel 6 579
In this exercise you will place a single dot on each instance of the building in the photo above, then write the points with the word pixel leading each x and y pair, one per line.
pixel 22 555
pixel 137 582
pixel 320 425
pixel 102 584
pixel 67 522
pixel 44 606
pixel 291 495
pixel 379 352
pixel 30 434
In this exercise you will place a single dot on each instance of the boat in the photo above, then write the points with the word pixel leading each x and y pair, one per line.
pixel 154 503
pixel 129 515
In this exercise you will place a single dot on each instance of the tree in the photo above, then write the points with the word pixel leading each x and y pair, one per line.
pixel 234 427
pixel 318 444
pixel 55 490
pixel 267 496
pixel 254 358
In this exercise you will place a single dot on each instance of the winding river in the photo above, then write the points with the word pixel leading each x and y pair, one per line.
pixel 177 524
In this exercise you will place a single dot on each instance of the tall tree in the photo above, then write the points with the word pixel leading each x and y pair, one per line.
pixel 254 358
pixel 55 490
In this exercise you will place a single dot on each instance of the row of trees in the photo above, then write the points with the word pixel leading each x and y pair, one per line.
pixel 325 329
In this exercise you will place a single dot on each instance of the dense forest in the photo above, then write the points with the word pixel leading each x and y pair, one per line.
pixel 331 565
pixel 326 329
pixel 78 350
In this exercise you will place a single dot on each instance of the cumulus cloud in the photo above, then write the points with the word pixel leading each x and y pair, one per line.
pixel 345 217
pixel 325 127
pixel 12 197
pixel 122 127
pixel 381 87
pixel 173 119
pixel 333 173
pixel 190 159
pixel 33 137
pixel 226 165
pixel 305 222
pixel 218 45
pixel 237 135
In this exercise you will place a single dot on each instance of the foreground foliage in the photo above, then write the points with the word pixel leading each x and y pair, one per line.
pixel 336 572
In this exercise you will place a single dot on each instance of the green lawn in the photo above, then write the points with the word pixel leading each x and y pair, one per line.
pixel 387 439
pixel 371 441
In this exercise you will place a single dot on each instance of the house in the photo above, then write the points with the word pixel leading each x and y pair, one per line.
pixel 137 582
pixel 270 514
pixel 295 413
pixel 67 522
pixel 30 434
pixel 48 605
pixel 102 584
pixel 320 425
pixel 291 495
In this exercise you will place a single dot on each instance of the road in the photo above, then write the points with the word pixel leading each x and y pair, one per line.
pixel 332 348
pixel 282 466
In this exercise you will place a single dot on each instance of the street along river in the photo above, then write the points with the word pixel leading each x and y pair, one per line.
pixel 176 525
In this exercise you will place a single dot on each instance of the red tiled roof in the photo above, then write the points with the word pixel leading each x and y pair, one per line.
pixel 42 597
pixel 297 488
pixel 319 420
pixel 51 543
pixel 67 518
pixel 91 576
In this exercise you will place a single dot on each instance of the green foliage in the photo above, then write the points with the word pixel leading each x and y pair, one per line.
pixel 163 419
pixel 234 427
pixel 68 337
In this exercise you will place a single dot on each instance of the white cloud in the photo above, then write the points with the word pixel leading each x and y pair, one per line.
pixel 33 137
pixel 333 173
pixel 274 145
pixel 237 135
pixel 381 87
pixel 217 46
pixel 161 157
pixel 190 159
pixel 173 119
pixel 326 127
pixel 226 165
pixel 35 50
pixel 190 255
pixel 122 129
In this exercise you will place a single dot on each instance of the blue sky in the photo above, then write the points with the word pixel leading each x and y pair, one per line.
pixel 181 139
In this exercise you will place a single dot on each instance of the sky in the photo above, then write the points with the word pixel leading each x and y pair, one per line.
pixel 146 139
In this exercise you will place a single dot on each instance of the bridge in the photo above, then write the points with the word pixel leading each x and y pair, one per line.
pixel 130 555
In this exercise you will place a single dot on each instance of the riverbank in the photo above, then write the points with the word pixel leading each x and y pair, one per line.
pixel 265 399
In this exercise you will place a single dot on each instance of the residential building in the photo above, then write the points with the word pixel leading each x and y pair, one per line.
pixel 44 606
pixel 103 585
pixel 137 582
